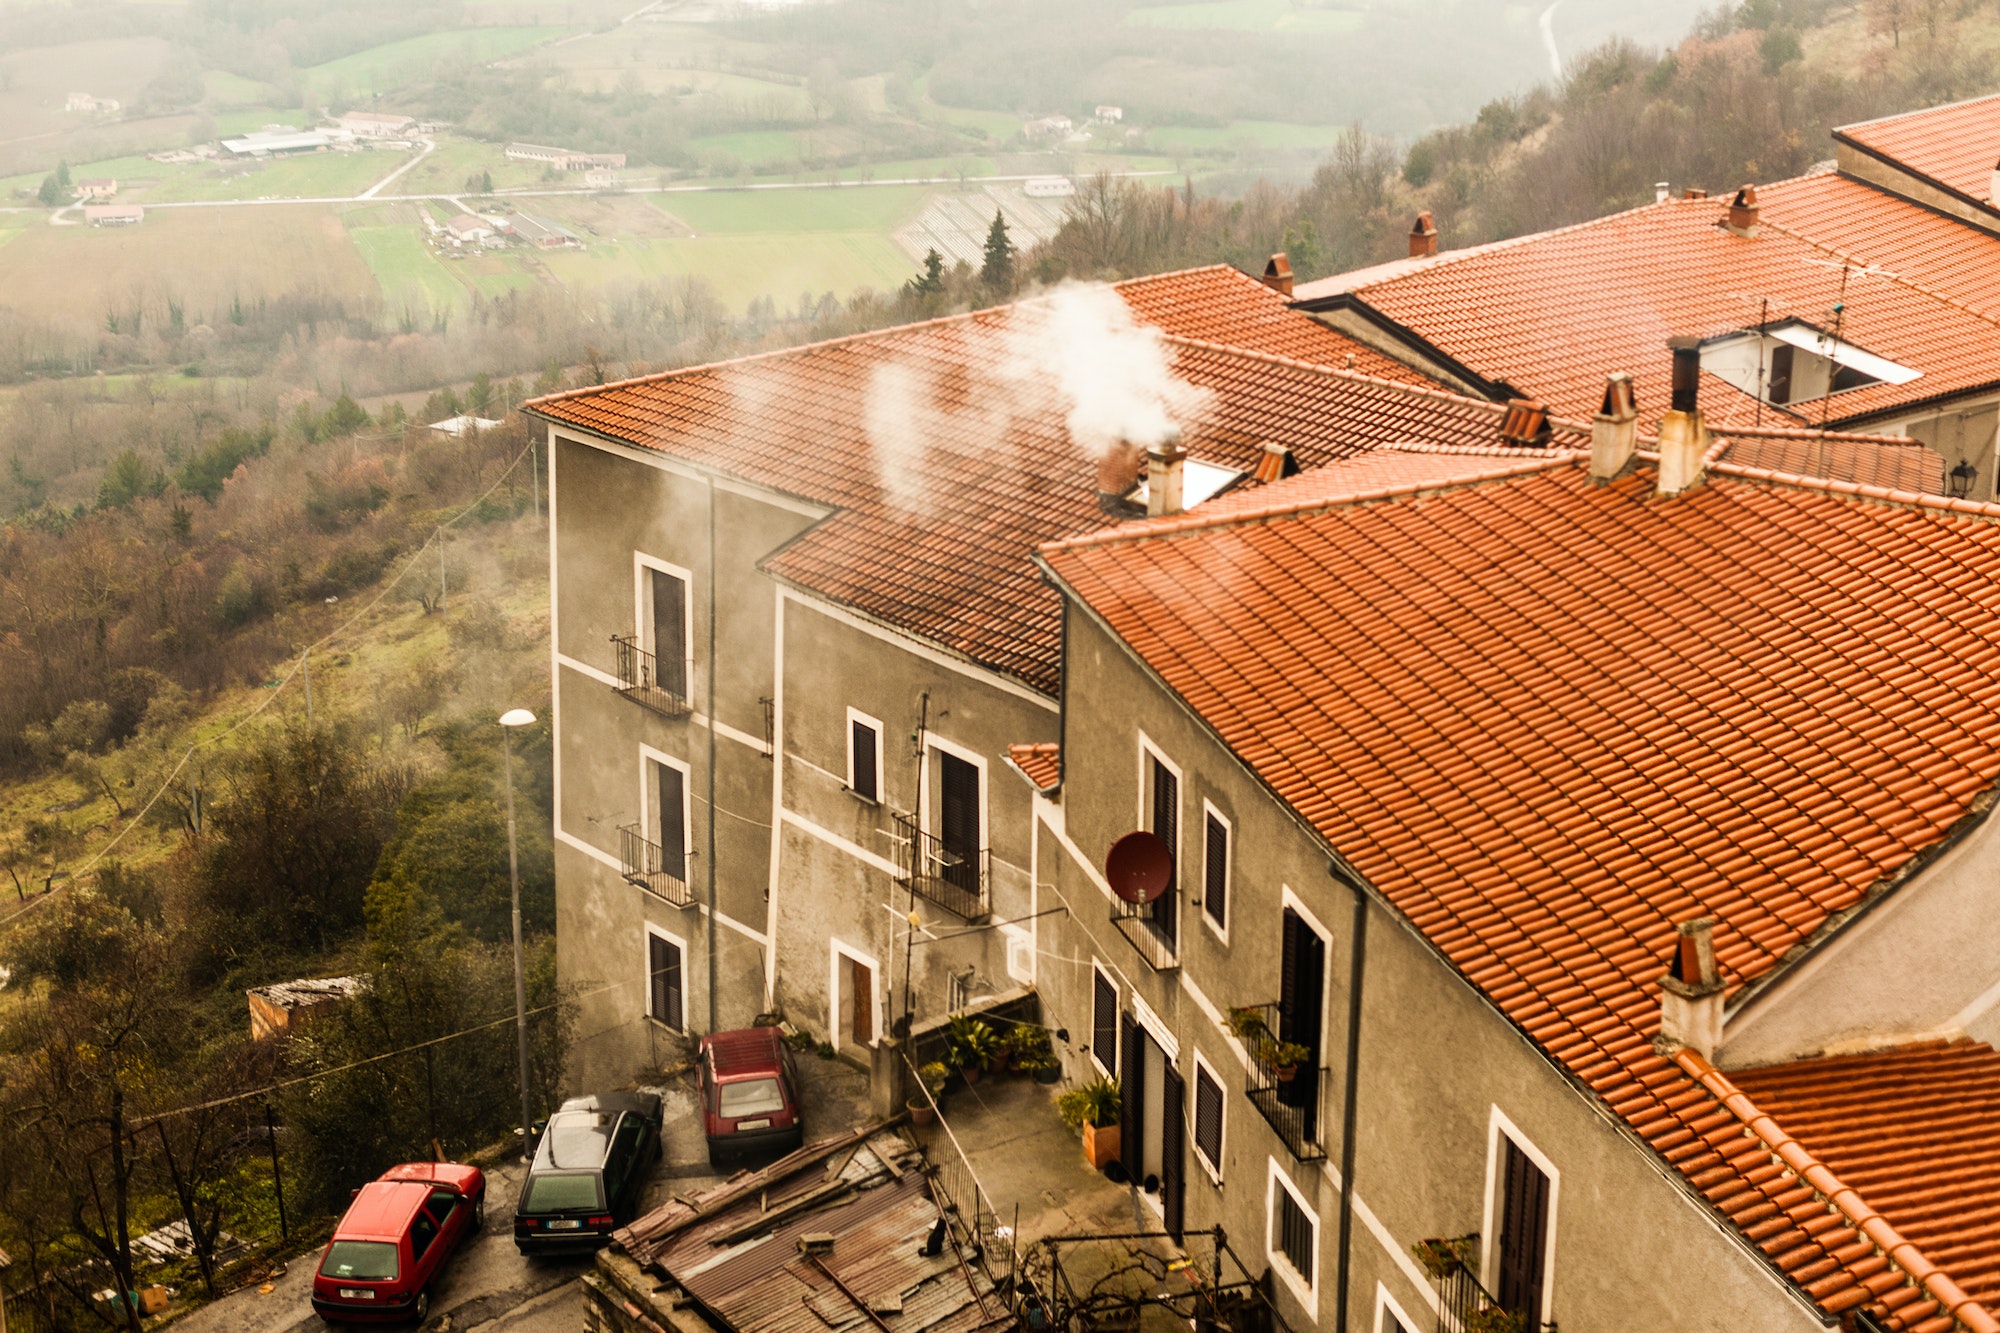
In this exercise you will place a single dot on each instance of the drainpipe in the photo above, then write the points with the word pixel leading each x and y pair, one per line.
pixel 1357 961
pixel 713 1026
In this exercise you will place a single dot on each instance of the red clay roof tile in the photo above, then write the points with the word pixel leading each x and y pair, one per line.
pixel 1548 718
pixel 1955 146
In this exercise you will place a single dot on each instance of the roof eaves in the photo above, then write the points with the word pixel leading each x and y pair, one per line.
pixel 1400 387
pixel 1403 333
pixel 1889 160
pixel 1860 490
pixel 706 470
pixel 1795 1160
pixel 1195 521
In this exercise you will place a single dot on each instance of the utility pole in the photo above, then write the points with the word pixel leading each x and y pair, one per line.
pixel 518 717
pixel 712 1024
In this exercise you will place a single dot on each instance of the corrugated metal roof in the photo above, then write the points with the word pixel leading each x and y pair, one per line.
pixel 879 1208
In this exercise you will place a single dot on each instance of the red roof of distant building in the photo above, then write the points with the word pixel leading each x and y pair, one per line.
pixel 1040 764
pixel 1552 313
pixel 1956 146
pixel 1549 718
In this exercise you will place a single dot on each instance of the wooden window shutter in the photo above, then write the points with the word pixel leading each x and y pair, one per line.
pixel 670 633
pixel 673 820
pixel 666 976
pixel 1132 1121
pixel 1215 868
pixel 865 763
pixel 1524 1230
pixel 1104 1022
pixel 1208 1117
pixel 1173 1154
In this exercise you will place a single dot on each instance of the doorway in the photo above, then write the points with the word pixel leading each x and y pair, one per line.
pixel 1153 1140
pixel 851 1001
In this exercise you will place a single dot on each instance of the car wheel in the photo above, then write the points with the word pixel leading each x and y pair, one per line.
pixel 422 1309
pixel 479 1213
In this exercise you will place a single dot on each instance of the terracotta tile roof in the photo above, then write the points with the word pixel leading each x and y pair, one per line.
pixel 1906 1139
pixel 938 539
pixel 1872 460
pixel 1221 304
pixel 1548 719
pixel 1553 313
pixel 1040 764
pixel 1955 146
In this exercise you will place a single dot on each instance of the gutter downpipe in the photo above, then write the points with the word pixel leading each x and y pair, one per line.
pixel 1357 962
pixel 713 1026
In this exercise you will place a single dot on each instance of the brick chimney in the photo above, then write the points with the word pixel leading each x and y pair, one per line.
pixel 1423 237
pixel 1278 274
pixel 1741 220
pixel 1614 432
pixel 1118 470
pixel 1684 439
pixel 1163 476
pixel 1694 192
pixel 1691 997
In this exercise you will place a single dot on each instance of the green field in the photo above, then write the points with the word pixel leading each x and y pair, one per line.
pixel 742 268
pixel 223 89
pixel 1262 133
pixel 748 212
pixel 408 273
pixel 445 169
pixel 1246 16
pixel 306 176
pixel 385 68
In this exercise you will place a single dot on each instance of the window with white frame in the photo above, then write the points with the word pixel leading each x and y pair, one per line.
pixel 1160 815
pixel 666 994
pixel 667 813
pixel 864 756
pixel 1522 1204
pixel 1104 1020
pixel 665 623
pixel 1215 869
pixel 1209 1103
pixel 1293 1242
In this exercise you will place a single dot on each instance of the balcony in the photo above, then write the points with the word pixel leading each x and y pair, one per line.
pixel 1288 1102
pixel 957 882
pixel 647 866
pixel 1147 936
pixel 639 679
pixel 1463 1302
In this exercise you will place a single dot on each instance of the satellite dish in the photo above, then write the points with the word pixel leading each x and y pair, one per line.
pixel 1139 867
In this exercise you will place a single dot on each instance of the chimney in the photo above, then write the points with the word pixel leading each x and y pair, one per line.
pixel 1614 433
pixel 1741 220
pixel 1278 274
pixel 1277 463
pixel 1423 237
pixel 1694 192
pixel 1662 191
pixel 1684 439
pixel 1163 476
pixel 1118 471
pixel 1524 425
pixel 1691 991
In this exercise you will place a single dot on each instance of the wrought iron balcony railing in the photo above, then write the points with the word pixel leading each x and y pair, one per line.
pixel 1463 1302
pixel 1154 940
pixel 1286 1095
pixel 956 881
pixel 640 681
pixel 652 869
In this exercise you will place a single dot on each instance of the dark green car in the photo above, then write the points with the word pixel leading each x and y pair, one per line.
pixel 592 1158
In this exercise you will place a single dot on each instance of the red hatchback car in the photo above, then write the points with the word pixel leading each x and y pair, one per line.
pixel 397 1236
pixel 749 1094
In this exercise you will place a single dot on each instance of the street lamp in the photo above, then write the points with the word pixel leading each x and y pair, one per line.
pixel 512 718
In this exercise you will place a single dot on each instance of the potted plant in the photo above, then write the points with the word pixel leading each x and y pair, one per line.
pixel 1246 1025
pixel 1284 1057
pixel 1493 1319
pixel 1042 1066
pixel 1442 1258
pixel 969 1047
pixel 1026 1043
pixel 923 1109
pixel 1095 1108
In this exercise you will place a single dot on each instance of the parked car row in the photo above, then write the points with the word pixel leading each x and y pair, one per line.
pixel 586 1176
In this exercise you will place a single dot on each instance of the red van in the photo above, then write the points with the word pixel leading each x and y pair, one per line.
pixel 396 1238
pixel 749 1094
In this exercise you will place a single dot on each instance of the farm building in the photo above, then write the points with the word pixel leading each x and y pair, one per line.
pixel 271 143
pixel 85 102
pixel 469 229
pixel 600 178
pixel 276 1010
pixel 564 159
pixel 1048 127
pixel 462 424
pixel 542 233
pixel 1049 187
pixel 1109 114
pixel 113 215
pixel 377 124
pixel 96 187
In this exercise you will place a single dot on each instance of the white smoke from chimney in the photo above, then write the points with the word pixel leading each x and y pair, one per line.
pixel 897 413
pixel 1112 376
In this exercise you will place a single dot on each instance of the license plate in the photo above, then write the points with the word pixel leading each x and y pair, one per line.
pixel 570 1225
pixel 356 1294
pixel 753 1124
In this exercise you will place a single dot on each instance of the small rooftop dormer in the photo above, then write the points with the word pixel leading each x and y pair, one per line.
pixel 1791 362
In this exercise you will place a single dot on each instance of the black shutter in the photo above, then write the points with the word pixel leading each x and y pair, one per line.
pixel 673 821
pixel 1302 993
pixel 1104 1021
pixel 1133 1087
pixel 666 979
pixel 1524 1231
pixel 864 761
pixel 958 820
pixel 1779 389
pixel 1208 1117
pixel 670 633
pixel 1215 863
pixel 1165 909
pixel 1173 1154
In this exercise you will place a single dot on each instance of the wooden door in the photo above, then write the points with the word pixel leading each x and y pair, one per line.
pixel 861 1002
pixel 1524 1232
pixel 958 820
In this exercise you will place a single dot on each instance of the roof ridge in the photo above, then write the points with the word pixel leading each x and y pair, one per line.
pixel 1195 521
pixel 1342 372
pixel 1793 1158
pixel 1859 490
pixel 1920 111
pixel 1810 433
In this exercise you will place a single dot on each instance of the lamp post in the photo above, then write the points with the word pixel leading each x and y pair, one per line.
pixel 512 718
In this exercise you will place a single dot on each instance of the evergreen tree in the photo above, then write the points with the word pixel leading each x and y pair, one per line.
pixel 931 281
pixel 997 272
pixel 51 195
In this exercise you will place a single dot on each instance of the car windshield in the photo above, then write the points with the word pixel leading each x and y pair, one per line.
pixel 361 1260
pixel 553 1194
pixel 751 1096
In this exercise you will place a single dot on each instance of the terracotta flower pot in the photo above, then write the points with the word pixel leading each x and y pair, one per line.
pixel 1100 1144
pixel 970 1074
pixel 921 1111
pixel 1286 1073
